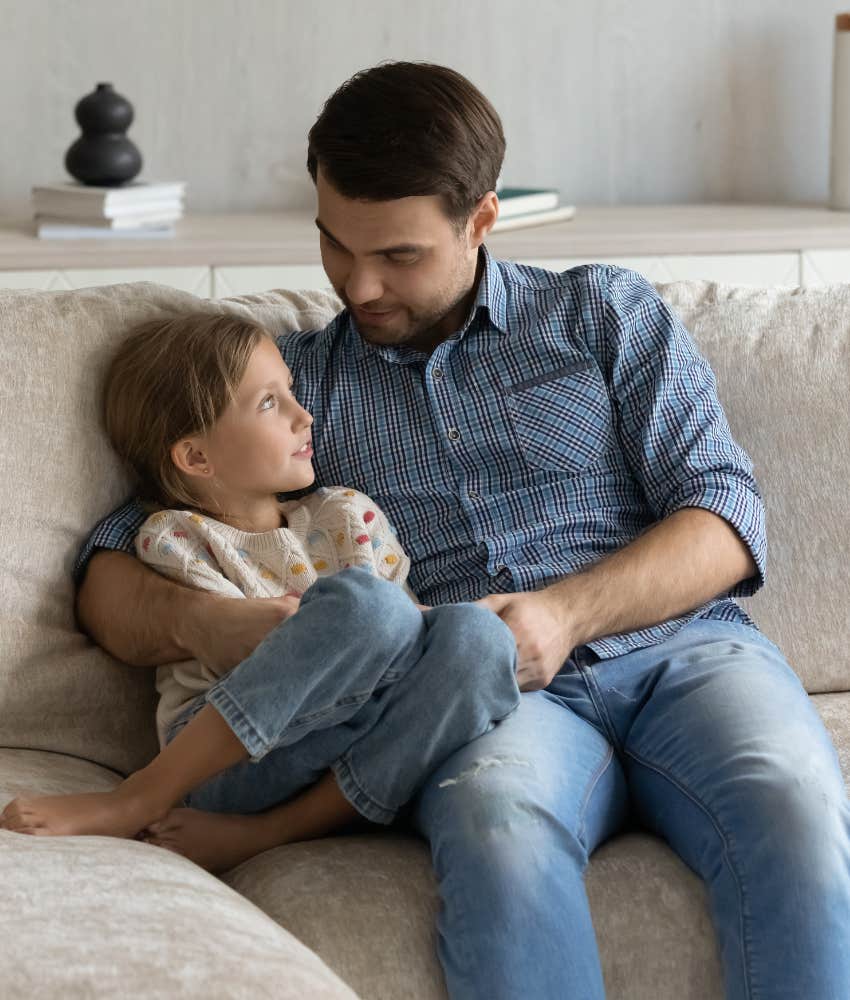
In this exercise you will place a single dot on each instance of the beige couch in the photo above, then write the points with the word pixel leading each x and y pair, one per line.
pixel 102 917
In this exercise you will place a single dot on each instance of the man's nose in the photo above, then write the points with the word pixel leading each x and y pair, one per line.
pixel 363 285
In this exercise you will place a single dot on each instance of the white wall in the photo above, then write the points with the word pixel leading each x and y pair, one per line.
pixel 609 100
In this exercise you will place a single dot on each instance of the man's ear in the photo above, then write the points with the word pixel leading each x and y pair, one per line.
pixel 483 219
pixel 189 457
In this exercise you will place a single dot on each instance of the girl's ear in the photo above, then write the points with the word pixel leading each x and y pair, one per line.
pixel 190 458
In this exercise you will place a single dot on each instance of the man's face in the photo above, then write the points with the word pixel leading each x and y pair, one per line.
pixel 400 266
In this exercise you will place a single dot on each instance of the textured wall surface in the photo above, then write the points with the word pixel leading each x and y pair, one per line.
pixel 612 101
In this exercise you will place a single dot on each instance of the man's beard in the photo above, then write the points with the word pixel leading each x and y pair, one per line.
pixel 413 329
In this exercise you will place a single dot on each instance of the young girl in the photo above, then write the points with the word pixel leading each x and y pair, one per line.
pixel 359 679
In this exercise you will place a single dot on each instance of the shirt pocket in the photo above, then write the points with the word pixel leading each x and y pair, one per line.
pixel 561 418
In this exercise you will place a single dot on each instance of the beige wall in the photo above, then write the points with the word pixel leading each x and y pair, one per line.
pixel 610 100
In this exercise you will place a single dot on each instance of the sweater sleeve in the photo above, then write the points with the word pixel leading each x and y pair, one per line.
pixel 170 543
pixel 390 560
pixel 362 534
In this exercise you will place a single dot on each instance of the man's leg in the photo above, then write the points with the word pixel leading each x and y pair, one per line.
pixel 728 760
pixel 511 820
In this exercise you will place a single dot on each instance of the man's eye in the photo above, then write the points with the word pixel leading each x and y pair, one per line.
pixel 403 258
pixel 268 402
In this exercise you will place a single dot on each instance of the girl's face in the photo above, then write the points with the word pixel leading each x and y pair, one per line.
pixel 261 444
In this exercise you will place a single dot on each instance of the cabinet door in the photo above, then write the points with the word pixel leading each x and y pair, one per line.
pixel 188 279
pixel 238 280
pixel 762 269
pixel 825 267
pixel 44 281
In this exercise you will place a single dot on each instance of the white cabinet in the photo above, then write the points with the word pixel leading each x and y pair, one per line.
pixel 244 280
pixel 237 254
pixel 196 280
pixel 728 269
pixel 825 267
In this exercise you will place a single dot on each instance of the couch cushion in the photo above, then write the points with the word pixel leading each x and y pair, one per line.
pixel 367 905
pixel 101 917
pixel 782 359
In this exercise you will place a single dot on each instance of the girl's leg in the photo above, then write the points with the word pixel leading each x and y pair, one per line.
pixel 328 674
pixel 204 747
pixel 353 635
pixel 462 684
pixel 221 841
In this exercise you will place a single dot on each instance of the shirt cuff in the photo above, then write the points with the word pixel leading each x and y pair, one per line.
pixel 741 506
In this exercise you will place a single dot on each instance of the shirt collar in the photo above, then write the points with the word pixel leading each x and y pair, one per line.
pixel 491 292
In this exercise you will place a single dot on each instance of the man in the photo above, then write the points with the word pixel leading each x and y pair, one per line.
pixel 552 446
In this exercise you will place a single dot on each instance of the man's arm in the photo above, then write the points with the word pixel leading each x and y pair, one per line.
pixel 707 538
pixel 674 567
pixel 144 619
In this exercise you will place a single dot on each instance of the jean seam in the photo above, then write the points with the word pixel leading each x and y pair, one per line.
pixel 258 746
pixel 594 781
pixel 601 709
pixel 300 721
pixel 345 775
pixel 727 854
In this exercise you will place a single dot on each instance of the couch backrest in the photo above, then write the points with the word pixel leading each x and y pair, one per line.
pixel 783 366
pixel 58 476
pixel 782 360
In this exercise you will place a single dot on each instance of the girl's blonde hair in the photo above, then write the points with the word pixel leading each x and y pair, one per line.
pixel 171 378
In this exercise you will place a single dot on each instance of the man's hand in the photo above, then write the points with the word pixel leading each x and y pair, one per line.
pixel 543 635
pixel 227 631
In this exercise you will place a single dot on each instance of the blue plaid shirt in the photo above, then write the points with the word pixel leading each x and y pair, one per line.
pixel 571 412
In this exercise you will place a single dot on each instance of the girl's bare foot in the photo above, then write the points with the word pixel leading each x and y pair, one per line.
pixel 119 813
pixel 215 841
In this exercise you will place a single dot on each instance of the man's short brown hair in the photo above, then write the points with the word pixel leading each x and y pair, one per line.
pixel 402 129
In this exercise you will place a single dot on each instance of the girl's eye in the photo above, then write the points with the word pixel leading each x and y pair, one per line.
pixel 268 403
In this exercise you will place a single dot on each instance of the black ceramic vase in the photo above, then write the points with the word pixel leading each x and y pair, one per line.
pixel 103 154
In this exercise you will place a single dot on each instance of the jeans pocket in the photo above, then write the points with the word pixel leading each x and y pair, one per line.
pixel 561 419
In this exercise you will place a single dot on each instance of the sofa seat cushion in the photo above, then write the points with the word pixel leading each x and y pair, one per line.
pixel 126 919
pixel 38 772
pixel 367 904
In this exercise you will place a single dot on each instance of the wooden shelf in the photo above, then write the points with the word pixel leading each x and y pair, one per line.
pixel 290 238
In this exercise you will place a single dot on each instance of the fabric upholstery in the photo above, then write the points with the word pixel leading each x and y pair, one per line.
pixel 366 904
pixel 101 917
pixel 782 359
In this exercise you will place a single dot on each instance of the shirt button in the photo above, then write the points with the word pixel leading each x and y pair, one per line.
pixel 473 495
pixel 454 434
pixel 500 567
pixel 438 373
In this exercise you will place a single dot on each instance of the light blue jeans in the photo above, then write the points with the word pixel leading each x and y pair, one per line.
pixel 709 741
pixel 362 682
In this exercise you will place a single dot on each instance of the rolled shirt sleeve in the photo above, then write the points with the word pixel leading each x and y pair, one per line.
pixel 670 423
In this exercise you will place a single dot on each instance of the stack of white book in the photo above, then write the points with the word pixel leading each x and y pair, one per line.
pixel 139 210
pixel 520 207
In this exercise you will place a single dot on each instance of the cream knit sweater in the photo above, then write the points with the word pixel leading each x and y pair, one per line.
pixel 327 531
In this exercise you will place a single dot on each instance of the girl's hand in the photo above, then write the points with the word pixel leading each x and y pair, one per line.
pixel 223 631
